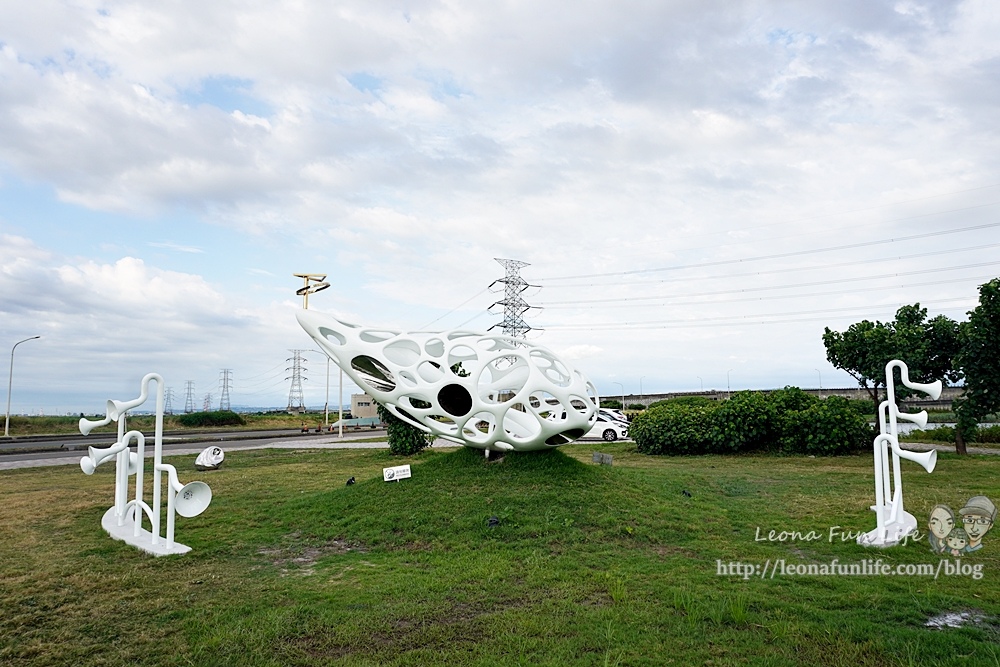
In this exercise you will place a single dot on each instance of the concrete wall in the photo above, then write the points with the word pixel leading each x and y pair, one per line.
pixel 363 405
pixel 948 394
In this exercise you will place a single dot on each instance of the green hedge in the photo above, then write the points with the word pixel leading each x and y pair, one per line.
pixel 788 420
pixel 217 418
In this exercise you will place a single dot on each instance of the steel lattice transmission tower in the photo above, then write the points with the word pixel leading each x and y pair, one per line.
pixel 296 402
pixel 207 403
pixel 168 402
pixel 514 306
pixel 189 397
pixel 225 384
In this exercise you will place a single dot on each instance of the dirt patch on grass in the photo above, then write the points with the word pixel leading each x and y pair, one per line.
pixel 301 558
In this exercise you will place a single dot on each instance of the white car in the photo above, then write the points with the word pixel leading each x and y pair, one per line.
pixel 614 414
pixel 607 428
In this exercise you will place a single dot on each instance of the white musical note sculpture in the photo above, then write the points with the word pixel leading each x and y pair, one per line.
pixel 483 391
pixel 892 522
pixel 123 521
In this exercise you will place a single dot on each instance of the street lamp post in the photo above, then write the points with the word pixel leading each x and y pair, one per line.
pixel 623 393
pixel 820 382
pixel 729 391
pixel 10 384
pixel 700 383
pixel 640 390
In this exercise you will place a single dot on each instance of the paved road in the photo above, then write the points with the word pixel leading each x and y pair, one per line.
pixel 326 441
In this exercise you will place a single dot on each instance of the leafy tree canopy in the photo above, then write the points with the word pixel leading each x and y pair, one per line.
pixel 928 347
pixel 979 359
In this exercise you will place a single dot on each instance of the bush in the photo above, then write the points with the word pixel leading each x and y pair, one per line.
pixel 636 406
pixel 827 428
pixel 673 429
pixel 789 419
pixel 217 418
pixel 791 399
pixel 989 434
pixel 405 439
pixel 747 421
pixel 611 403
pixel 937 434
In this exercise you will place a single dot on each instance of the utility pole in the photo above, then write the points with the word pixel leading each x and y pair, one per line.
pixel 225 384
pixel 168 402
pixel 296 402
pixel 189 397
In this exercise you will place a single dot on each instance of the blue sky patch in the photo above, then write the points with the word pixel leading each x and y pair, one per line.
pixel 227 93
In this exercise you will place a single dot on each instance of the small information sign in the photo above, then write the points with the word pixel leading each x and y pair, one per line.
pixel 396 473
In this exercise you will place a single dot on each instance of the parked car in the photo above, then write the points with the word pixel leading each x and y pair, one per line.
pixel 607 428
pixel 614 414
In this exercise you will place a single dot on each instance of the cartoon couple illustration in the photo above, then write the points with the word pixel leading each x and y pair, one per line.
pixel 977 518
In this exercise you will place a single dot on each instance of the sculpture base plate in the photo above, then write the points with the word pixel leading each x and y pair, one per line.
pixel 894 532
pixel 143 541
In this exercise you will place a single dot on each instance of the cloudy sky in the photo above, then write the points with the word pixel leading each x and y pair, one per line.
pixel 699 188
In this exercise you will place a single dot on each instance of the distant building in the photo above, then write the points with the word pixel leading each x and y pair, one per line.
pixel 363 405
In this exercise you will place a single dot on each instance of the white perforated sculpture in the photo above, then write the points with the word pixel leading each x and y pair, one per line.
pixel 481 390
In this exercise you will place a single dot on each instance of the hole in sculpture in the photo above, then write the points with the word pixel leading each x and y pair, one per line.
pixel 334 337
pixel 455 399
pixel 479 426
pixel 520 425
pixel 403 352
pixel 376 336
pixel 500 380
pixel 591 392
pixel 446 424
pixel 434 347
pixel 546 405
pixel 418 403
pixel 564 437
pixel 579 404
pixel 461 334
pixel 407 378
pixel 430 371
pixel 373 373
pixel 551 368
pixel 407 417
pixel 461 353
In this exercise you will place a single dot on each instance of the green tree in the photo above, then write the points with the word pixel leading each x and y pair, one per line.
pixel 979 359
pixel 404 438
pixel 928 347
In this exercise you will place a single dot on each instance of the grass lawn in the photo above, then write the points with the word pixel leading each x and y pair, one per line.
pixel 590 565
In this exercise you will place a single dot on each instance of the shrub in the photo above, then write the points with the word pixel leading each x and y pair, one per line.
pixel 791 399
pixel 937 434
pixel 673 429
pixel 405 439
pixel 217 418
pixel 990 434
pixel 747 421
pixel 636 406
pixel 827 428
pixel 611 403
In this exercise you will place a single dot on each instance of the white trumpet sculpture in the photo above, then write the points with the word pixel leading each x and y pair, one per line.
pixel 892 522
pixel 123 520
pixel 480 390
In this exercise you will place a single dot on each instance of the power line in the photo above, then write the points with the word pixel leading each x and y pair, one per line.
pixel 782 255
pixel 835 281
pixel 793 269
pixel 477 294
pixel 734 319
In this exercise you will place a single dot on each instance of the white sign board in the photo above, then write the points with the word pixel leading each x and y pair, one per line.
pixel 396 473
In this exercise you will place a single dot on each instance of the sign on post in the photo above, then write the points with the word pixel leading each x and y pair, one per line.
pixel 396 473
